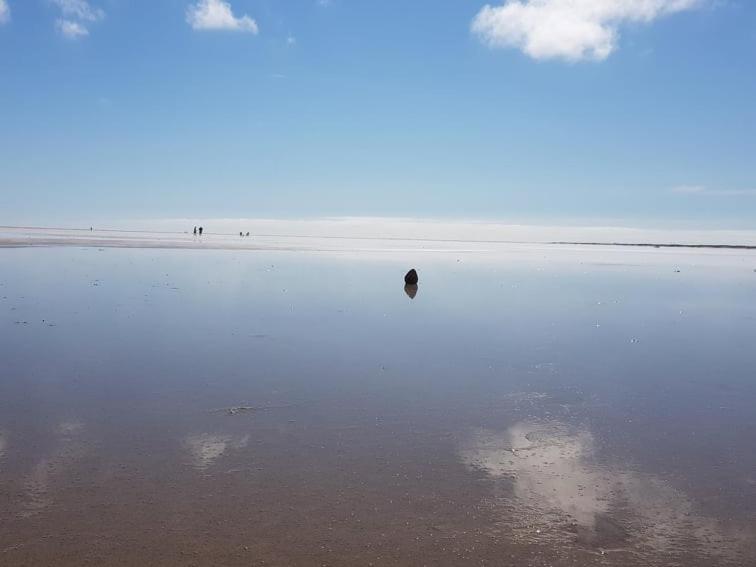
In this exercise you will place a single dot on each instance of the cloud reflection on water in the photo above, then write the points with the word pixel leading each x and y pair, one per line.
pixel 560 494
pixel 69 448
pixel 207 448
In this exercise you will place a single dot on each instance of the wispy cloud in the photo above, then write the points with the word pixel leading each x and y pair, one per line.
pixel 79 10
pixel 4 12
pixel 71 29
pixel 572 30
pixel 76 17
pixel 705 191
pixel 218 15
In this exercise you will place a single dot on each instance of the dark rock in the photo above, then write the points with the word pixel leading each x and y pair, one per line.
pixel 411 277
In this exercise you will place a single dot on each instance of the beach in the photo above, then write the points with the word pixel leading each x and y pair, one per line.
pixel 281 400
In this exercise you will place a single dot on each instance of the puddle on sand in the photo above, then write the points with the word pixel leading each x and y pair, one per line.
pixel 560 496
pixel 207 448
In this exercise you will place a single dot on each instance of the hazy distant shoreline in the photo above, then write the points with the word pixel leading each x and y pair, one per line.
pixel 337 233
pixel 659 245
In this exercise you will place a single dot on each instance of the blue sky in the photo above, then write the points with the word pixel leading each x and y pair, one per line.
pixel 637 110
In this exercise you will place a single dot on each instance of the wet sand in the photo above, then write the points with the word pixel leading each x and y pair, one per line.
pixel 292 405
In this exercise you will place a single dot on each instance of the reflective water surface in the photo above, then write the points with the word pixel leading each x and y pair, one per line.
pixel 533 406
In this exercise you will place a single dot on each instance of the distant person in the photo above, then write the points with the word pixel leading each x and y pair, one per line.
pixel 195 231
pixel 200 231
pixel 240 233
pixel 247 233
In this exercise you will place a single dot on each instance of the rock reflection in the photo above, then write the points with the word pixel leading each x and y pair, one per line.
pixel 410 290
pixel 561 495
pixel 206 448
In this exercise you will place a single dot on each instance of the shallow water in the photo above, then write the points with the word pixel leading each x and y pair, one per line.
pixel 530 406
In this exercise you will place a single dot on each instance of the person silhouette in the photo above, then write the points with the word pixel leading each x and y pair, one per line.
pixel 200 231
pixel 195 231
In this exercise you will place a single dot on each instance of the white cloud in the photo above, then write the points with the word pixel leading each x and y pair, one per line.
pixel 4 12
pixel 79 10
pixel 701 190
pixel 573 30
pixel 71 29
pixel 217 15
pixel 76 16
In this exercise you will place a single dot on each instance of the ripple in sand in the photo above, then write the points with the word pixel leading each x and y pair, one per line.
pixel 561 496
pixel 207 448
